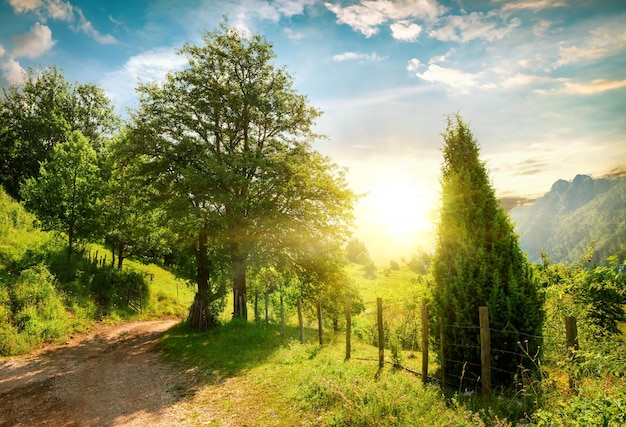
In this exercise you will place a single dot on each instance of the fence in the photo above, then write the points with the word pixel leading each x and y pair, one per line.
pixel 487 352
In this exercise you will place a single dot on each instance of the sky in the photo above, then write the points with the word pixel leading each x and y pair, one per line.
pixel 542 84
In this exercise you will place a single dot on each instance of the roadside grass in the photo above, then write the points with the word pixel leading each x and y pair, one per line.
pixel 302 384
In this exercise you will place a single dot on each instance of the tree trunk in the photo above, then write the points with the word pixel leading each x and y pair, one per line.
pixel 239 283
pixel 120 254
pixel 112 253
pixel 200 316
pixel 70 248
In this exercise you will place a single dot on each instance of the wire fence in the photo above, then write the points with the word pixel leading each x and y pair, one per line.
pixel 509 354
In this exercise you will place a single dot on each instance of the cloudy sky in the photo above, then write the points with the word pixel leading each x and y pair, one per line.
pixel 541 82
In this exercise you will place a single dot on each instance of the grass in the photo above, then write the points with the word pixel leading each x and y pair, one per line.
pixel 301 384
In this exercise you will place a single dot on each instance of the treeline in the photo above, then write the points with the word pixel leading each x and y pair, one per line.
pixel 214 171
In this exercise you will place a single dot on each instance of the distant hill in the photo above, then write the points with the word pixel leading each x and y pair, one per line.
pixel 572 216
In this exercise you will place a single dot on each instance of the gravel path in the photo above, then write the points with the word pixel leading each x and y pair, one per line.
pixel 111 376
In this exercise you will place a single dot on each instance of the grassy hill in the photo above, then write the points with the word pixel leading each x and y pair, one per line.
pixel 38 305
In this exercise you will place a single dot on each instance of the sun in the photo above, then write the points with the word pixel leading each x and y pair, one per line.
pixel 396 215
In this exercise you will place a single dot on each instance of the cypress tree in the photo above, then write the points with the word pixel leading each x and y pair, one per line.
pixel 478 262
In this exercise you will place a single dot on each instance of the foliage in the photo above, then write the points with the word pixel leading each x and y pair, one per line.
pixel 66 194
pixel 38 115
pixel 478 262
pixel 31 310
pixel 113 287
pixel 357 252
pixel 132 227
pixel 420 261
pixel 223 147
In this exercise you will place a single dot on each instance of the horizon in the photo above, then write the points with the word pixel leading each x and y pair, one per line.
pixel 542 84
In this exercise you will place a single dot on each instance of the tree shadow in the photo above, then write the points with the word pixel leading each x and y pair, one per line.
pixel 228 350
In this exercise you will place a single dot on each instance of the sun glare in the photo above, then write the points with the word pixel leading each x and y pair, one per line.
pixel 395 217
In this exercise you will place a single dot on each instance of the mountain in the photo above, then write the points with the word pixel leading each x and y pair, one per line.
pixel 573 216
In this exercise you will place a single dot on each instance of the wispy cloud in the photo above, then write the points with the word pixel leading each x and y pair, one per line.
pixel 608 40
pixel 353 56
pixel 146 67
pixel 368 15
pixel 533 4
pixel 456 80
pixel 60 10
pixel 475 25
pixel 593 87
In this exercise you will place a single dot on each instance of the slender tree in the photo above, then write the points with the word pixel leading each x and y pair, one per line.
pixel 478 262
pixel 225 146
pixel 66 194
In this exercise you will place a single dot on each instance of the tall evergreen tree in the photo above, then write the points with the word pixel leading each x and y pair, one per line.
pixel 478 262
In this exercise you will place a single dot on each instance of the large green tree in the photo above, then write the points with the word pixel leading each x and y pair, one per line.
pixel 225 145
pixel 478 262
pixel 66 194
pixel 38 115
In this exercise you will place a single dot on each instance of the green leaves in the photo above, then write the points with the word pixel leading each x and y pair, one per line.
pixel 37 116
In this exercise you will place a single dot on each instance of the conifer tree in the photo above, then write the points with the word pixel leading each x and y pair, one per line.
pixel 478 262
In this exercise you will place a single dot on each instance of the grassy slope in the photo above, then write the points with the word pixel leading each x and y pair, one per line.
pixel 36 306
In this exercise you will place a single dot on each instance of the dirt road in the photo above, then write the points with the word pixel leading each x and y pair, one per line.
pixel 111 376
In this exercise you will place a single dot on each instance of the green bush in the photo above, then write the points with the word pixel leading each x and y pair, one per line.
pixel 112 287
pixel 31 311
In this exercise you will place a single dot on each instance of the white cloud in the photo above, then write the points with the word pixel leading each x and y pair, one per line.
pixel 86 27
pixel 405 30
pixel 533 4
pixel 293 35
pixel 518 80
pixel 414 65
pixel 476 25
pixel 608 40
pixel 457 80
pixel 366 16
pixel 146 67
pixel 591 88
pixel 353 56
pixel 34 43
pixel 62 11
pixel 2 51
pixel 13 71
pixel 20 6
pixel 266 10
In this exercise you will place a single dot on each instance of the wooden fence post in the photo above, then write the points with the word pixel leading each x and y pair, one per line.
pixel 267 309
pixel 348 328
pixel 319 322
pixel 282 313
pixel 441 349
pixel 424 344
pixel 571 334
pixel 485 350
pixel 300 321
pixel 381 333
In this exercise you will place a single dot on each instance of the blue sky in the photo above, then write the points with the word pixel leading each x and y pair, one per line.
pixel 541 82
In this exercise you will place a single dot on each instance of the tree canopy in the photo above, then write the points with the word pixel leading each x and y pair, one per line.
pixel 224 145
pixel 38 115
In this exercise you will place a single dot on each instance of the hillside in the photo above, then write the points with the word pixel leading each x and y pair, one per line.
pixel 572 216
pixel 38 304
